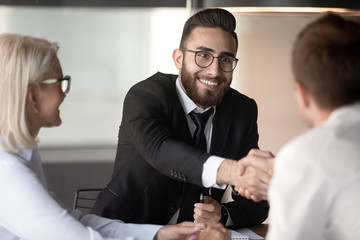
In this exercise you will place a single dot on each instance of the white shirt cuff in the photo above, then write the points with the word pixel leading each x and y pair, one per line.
pixel 209 173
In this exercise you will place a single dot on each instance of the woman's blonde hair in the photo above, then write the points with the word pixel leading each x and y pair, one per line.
pixel 24 60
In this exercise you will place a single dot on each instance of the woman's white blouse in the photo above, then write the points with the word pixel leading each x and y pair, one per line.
pixel 28 211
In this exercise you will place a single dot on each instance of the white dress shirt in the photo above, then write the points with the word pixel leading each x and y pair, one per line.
pixel 315 190
pixel 213 162
pixel 28 211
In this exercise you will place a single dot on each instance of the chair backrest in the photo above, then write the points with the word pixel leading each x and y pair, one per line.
pixel 85 199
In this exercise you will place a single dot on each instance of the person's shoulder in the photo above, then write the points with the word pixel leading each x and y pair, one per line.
pixel 9 160
pixel 160 86
pixel 237 100
pixel 309 147
pixel 158 79
pixel 6 157
pixel 233 94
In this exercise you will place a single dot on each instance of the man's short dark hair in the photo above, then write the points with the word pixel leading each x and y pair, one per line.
pixel 210 18
pixel 326 60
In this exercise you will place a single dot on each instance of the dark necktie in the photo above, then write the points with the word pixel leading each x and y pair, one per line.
pixel 192 192
pixel 200 120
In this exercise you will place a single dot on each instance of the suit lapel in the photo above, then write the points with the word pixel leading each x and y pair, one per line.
pixel 220 134
pixel 221 128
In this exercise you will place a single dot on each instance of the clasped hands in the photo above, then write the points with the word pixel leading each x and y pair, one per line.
pixel 193 231
pixel 209 212
pixel 206 225
pixel 250 176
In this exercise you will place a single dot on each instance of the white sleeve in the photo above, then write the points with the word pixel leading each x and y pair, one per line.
pixel 209 175
pixel 116 228
pixel 29 212
pixel 296 192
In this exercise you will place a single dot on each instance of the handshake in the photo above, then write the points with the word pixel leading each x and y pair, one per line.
pixel 250 176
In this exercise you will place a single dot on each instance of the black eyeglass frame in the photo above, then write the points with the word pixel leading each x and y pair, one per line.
pixel 196 52
pixel 64 88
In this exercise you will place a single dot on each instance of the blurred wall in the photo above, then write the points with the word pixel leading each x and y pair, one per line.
pixel 264 73
pixel 107 50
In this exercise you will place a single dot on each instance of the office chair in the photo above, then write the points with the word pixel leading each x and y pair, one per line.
pixel 85 199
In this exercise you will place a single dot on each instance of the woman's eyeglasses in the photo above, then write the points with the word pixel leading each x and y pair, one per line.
pixel 65 83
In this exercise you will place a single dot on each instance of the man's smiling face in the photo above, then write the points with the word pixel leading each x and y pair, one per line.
pixel 206 86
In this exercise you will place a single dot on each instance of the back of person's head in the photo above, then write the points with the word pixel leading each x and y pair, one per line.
pixel 326 61
pixel 209 18
pixel 24 60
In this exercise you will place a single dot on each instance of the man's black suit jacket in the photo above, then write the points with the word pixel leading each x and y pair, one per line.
pixel 155 161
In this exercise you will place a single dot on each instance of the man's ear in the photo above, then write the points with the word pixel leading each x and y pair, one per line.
pixel 32 97
pixel 178 58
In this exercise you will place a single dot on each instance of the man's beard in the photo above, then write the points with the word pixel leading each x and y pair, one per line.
pixel 210 98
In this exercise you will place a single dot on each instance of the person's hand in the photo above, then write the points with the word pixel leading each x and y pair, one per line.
pixel 256 170
pixel 250 175
pixel 180 231
pixel 208 212
pixel 257 158
pixel 255 183
pixel 215 232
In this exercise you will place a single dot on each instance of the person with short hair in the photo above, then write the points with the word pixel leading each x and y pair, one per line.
pixel 314 191
pixel 169 159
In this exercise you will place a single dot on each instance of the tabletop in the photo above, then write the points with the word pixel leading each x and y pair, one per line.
pixel 260 229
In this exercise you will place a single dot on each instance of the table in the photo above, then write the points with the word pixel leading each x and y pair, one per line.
pixel 260 229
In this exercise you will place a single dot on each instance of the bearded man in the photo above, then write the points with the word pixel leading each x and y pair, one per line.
pixel 166 160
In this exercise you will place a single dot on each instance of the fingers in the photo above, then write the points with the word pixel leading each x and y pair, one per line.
pixel 260 159
pixel 209 204
pixel 183 230
pixel 260 153
pixel 256 196
pixel 253 174
pixel 253 184
pixel 189 228
pixel 208 212
pixel 215 232
pixel 192 225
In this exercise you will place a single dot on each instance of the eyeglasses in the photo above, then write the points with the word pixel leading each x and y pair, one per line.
pixel 65 83
pixel 204 59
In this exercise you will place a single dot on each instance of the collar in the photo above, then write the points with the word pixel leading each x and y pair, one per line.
pixel 25 154
pixel 344 110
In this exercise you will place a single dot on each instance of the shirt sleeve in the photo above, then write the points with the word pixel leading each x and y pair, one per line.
pixel 209 175
pixel 117 229
pixel 28 211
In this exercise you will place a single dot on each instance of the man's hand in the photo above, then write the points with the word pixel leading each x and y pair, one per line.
pixel 255 184
pixel 250 175
pixel 260 159
pixel 180 231
pixel 256 170
pixel 215 232
pixel 208 212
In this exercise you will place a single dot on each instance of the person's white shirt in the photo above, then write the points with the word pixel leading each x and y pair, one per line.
pixel 28 211
pixel 315 190
pixel 212 164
